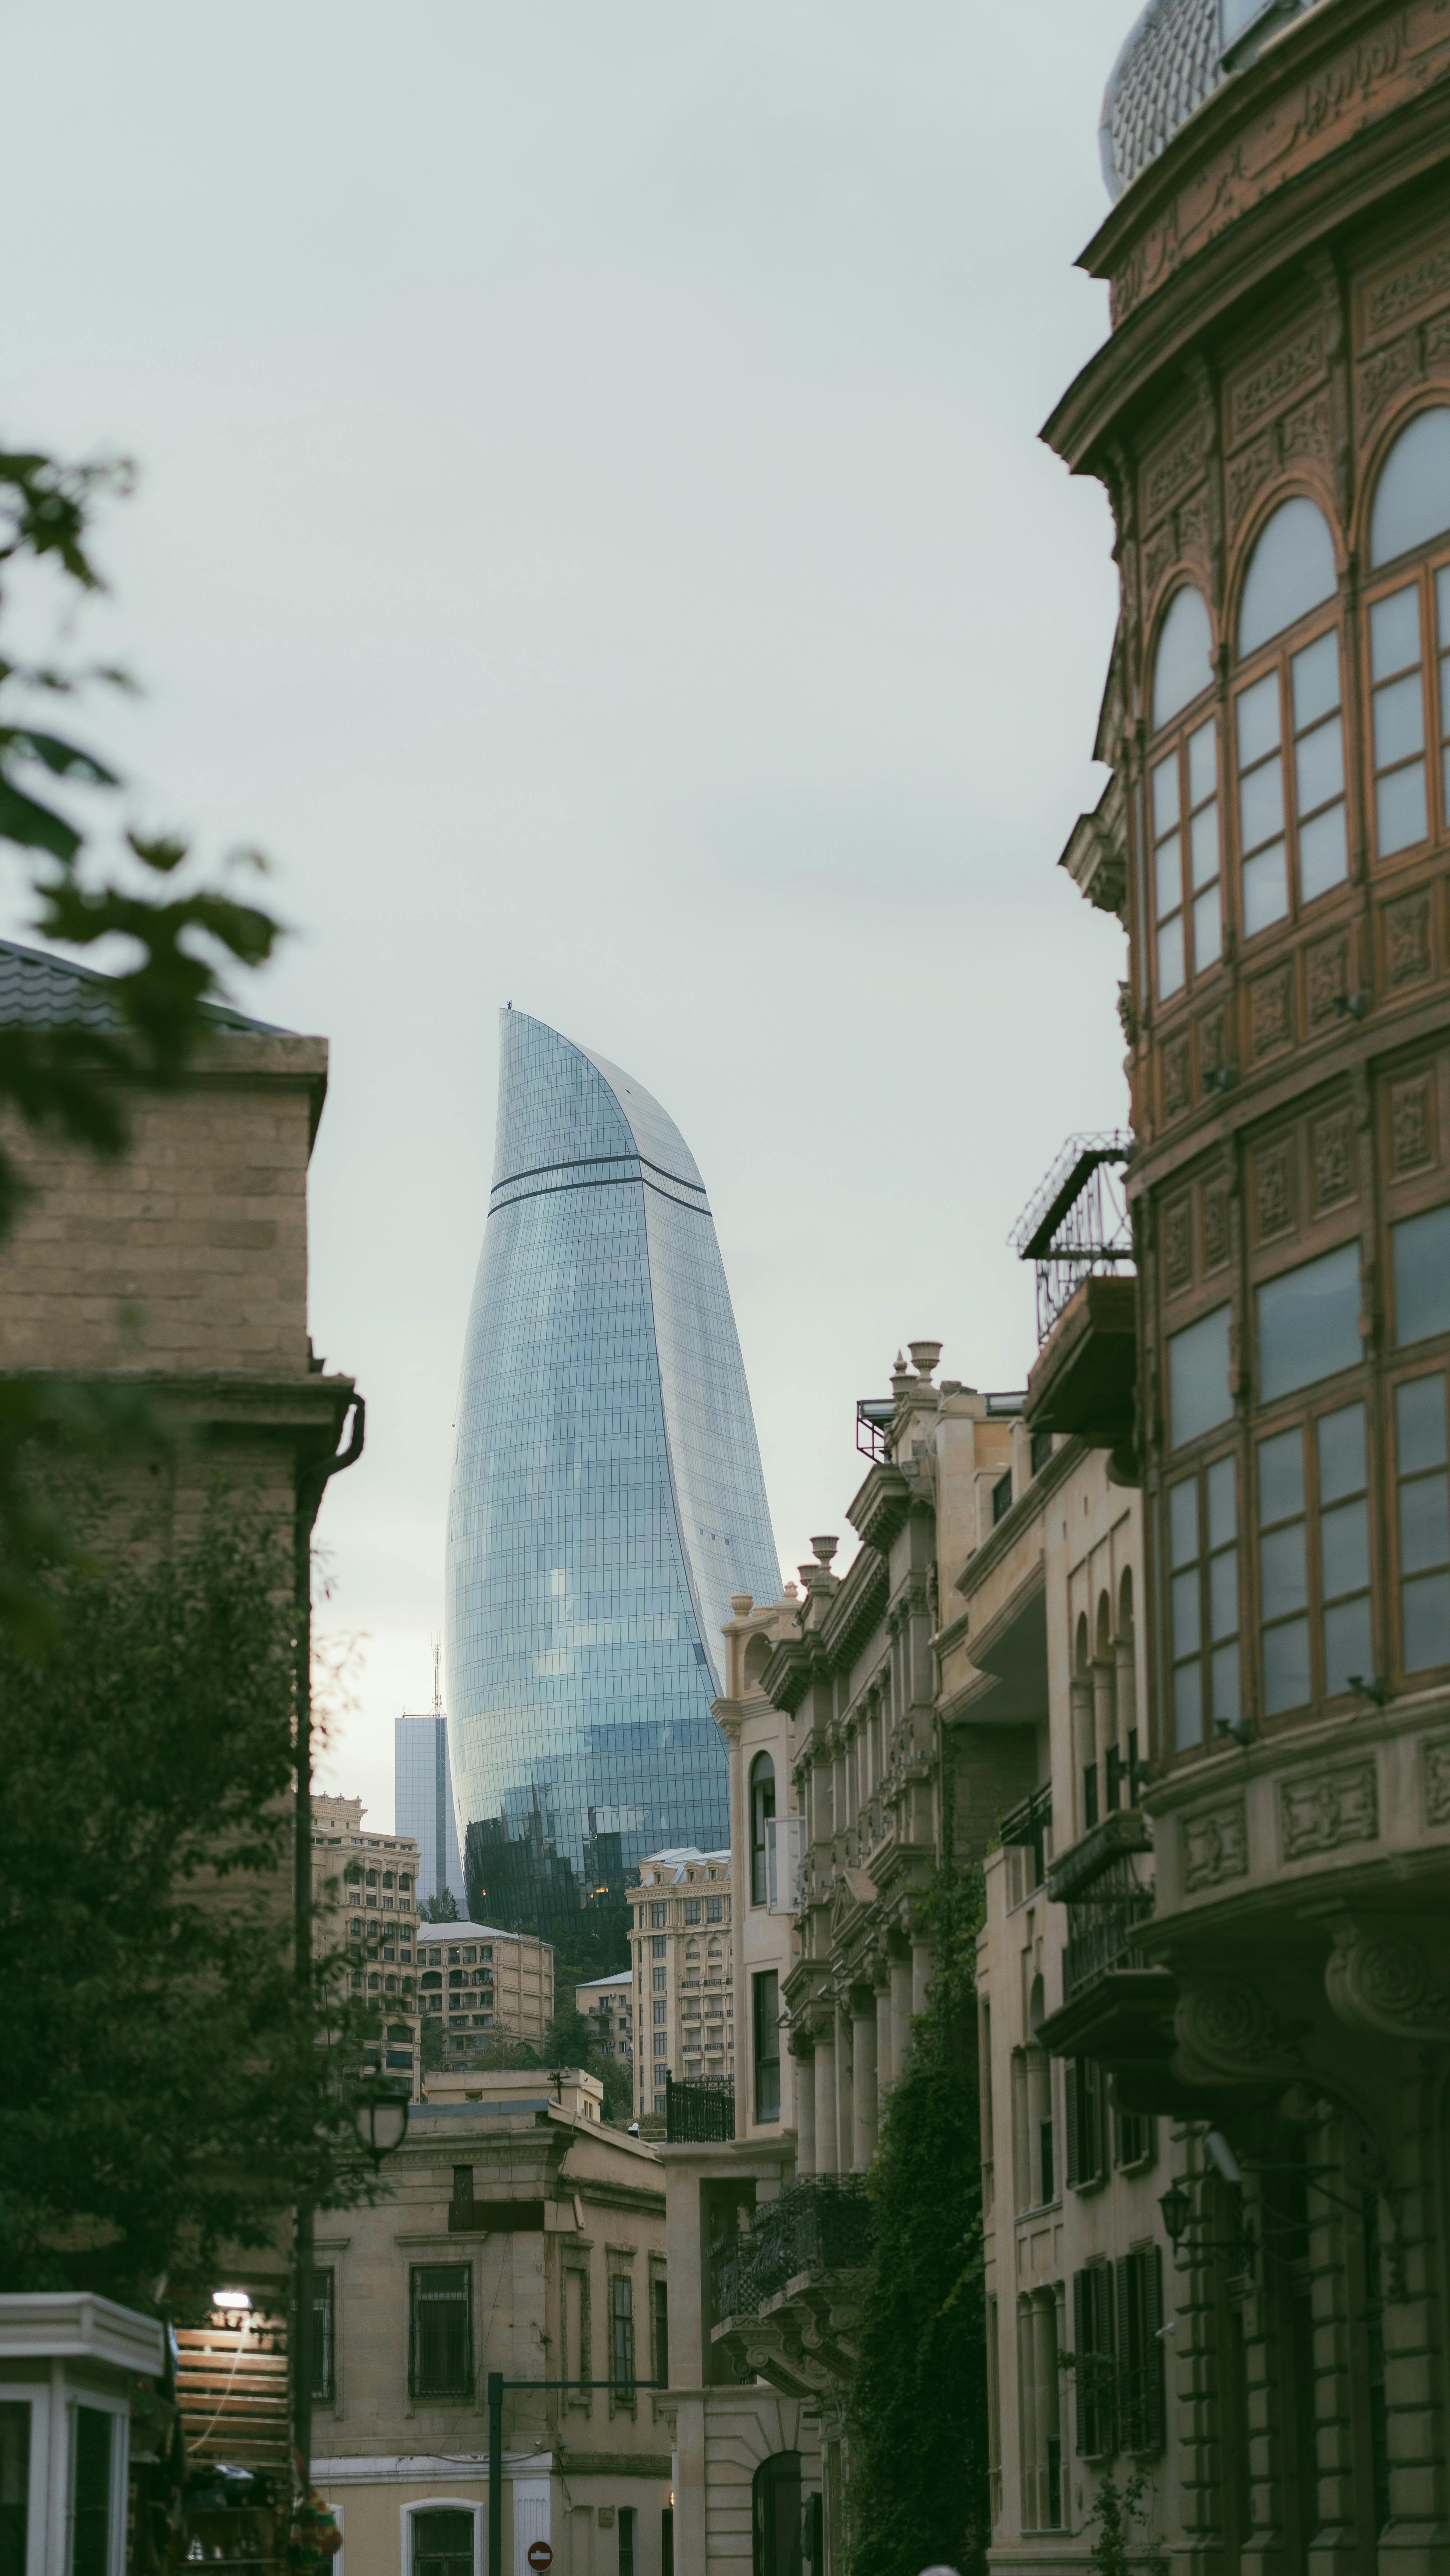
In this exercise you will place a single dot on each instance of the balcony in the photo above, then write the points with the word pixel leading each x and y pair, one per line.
pixel 1078 1235
pixel 785 2293
pixel 699 2110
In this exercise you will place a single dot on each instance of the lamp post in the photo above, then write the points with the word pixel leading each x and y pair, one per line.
pixel 380 2116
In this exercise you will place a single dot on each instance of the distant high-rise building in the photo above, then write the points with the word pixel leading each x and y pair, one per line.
pixel 423 1796
pixel 607 1501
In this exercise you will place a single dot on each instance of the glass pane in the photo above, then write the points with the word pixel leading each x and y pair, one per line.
pixel 1203 843
pixel 1286 1666
pixel 1266 889
pixel 1183 663
pixel 1341 1454
pixel 1412 500
pixel 1444 688
pixel 1314 680
pixel 1422 1275
pixel 1183 1521
pixel 1442 602
pixel 1394 632
pixel 1344 1548
pixel 1424 1524
pixel 1420 1423
pixel 1319 764
pixel 1399 809
pixel 1399 720
pixel 1292 569
pixel 1170 958
pixel 1223 1594
pixel 1225 1669
pixel 1187 1706
pixel 1202 763
pixel 1309 1322
pixel 1283 1570
pixel 1426 1606
pixel 1348 1644
pixel 1168 876
pixel 1165 795
pixel 1257 715
pixel 91 2493
pixel 1281 1476
pixel 1323 852
pixel 14 2484
pixel 1187 1634
pixel 1223 1518
pixel 1198 1377
pixel 1207 930
pixel 1261 803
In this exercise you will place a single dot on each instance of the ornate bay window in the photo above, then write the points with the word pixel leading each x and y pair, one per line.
pixel 1183 796
pixel 1407 623
pixel 1287 721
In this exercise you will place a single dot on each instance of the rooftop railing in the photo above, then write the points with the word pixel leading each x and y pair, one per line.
pixel 1077 1222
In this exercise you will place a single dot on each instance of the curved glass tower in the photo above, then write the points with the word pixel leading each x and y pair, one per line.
pixel 607 1493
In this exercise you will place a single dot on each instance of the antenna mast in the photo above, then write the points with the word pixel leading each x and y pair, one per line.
pixel 437 1681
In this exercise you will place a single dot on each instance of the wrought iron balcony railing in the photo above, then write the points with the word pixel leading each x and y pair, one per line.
pixel 823 2224
pixel 699 2110
pixel 1077 1222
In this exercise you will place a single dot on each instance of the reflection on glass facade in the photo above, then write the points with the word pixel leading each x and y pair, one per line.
pixel 607 1492
pixel 423 1802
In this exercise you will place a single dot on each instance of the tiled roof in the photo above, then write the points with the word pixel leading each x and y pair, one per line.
pixel 39 990
pixel 1168 67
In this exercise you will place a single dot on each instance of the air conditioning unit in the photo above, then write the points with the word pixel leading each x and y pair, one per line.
pixel 785 1852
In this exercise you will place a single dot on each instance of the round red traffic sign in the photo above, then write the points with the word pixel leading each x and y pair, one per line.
pixel 540 2556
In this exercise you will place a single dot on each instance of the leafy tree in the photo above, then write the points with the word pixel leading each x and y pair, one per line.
pixel 1116 2508
pixel 74 1081
pixel 442 1908
pixel 171 2084
pixel 918 2405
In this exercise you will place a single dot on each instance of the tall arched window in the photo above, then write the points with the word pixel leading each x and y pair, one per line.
pixel 1183 802
pixel 776 2516
pixel 1288 731
pixel 1408 619
pixel 762 1813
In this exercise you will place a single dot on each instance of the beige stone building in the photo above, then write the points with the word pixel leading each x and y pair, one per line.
pixel 365 1890
pixel 684 1986
pixel 480 1984
pixel 519 2235
pixel 608 2003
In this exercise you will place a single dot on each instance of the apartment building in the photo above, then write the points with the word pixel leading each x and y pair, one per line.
pixel 607 2004
pixel 684 1982
pixel 481 1984
pixel 519 2235
pixel 365 1892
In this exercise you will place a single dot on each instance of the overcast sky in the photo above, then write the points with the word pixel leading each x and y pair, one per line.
pixel 593 533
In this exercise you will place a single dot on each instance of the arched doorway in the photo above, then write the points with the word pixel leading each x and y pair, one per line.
pixel 776 2518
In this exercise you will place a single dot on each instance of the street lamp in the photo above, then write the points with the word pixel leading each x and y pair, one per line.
pixel 234 2305
pixel 1177 2210
pixel 380 2116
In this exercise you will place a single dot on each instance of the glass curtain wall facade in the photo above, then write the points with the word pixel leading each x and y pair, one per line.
pixel 423 1802
pixel 607 1493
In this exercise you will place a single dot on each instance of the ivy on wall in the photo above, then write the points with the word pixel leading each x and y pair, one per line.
pixel 918 2410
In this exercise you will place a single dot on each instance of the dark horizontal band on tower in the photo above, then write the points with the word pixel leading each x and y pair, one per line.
pixel 614 1181
pixel 586 1162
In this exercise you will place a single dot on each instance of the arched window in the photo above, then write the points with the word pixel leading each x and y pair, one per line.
pixel 762 1813
pixel 444 2540
pixel 1288 734
pixel 1183 793
pixel 775 2495
pixel 1409 637
pixel 1183 662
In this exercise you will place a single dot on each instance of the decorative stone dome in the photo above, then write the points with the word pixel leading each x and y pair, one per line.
pixel 1178 54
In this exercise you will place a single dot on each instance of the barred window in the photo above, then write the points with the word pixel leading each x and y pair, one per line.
pixel 441 2337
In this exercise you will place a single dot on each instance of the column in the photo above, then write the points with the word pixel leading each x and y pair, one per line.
pixel 900 2012
pixel 920 1974
pixel 825 2101
pixel 863 2077
pixel 845 2136
pixel 805 2115
pixel 1125 1694
pixel 1105 1724
pixel 885 2063
pixel 1083 1749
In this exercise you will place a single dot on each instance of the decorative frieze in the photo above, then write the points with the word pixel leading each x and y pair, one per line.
pixel 1271 385
pixel 1324 1809
pixel 1270 1013
pixel 1274 1188
pixel 1172 473
pixel 1407 939
pixel 1435 1779
pixel 1326 972
pixel 1175 1077
pixel 1383 374
pixel 1177 1245
pixel 1412 1125
pixel 1215 1845
pixel 1332 1159
pixel 1215 1224
pixel 1407 291
pixel 1227 2026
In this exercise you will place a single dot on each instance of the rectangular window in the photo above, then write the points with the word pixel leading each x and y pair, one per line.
pixel 1264 872
pixel 324 2385
pixel 692 1909
pixel 14 2485
pixel 1204 1602
pixel 1198 1389
pixel 660 1979
pixel 1398 709
pixel 1348 1637
pixel 1141 2410
pixel 1317 1475
pixel 1421 1460
pixel 621 2335
pixel 1168 878
pixel 714 1909
pixel 1001 1498
pixel 662 2043
pixel 1135 2138
pixel 1095 2377
pixel 1421 1251
pixel 1284 1571
pixel 1086 2100
pixel 659 1949
pixel 1308 1322
pixel 1186 861
pixel 660 2011
pixel 441 2336
pixel 765 1991
pixel 1314 690
pixel 662 2332
pixel 659 1915
pixel 628 2517
pixel 92 2432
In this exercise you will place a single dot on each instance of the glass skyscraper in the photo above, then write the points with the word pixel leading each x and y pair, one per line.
pixel 423 1802
pixel 607 1493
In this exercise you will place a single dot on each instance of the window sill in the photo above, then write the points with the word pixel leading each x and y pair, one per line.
pixel 1025 2217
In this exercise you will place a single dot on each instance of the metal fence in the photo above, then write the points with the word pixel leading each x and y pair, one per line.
pixel 1077 1222
pixel 699 2110
pixel 820 2225
pixel 1101 1925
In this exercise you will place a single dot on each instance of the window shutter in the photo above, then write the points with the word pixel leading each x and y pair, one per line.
pixel 1155 2412
pixel 1073 2073
pixel 1127 2374
pixel 1082 2334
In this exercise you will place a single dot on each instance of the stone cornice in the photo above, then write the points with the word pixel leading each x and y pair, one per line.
pixel 882 1505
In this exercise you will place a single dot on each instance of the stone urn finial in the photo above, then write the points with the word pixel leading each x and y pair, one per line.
pixel 924 1357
